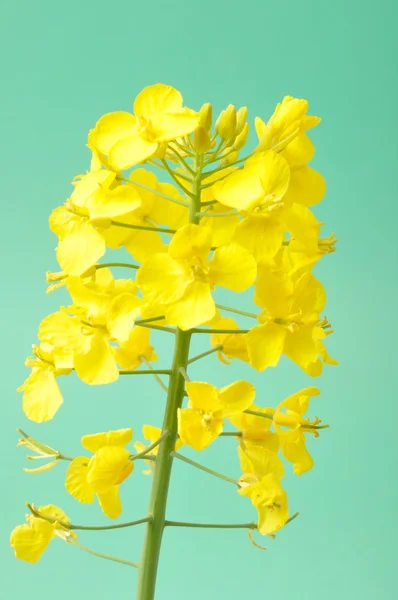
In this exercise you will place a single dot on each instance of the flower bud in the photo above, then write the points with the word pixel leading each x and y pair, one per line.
pixel 201 140
pixel 241 139
pixel 226 123
pixel 230 157
pixel 241 117
pixel 206 116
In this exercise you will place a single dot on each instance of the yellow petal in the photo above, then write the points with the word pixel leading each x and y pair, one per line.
pixel 50 511
pixel 274 292
pixel 222 228
pixel 80 250
pixel 110 466
pixel 194 308
pixel 112 128
pixel 174 125
pixel 123 311
pixel 110 502
pixel 271 520
pixel 233 267
pixel 42 397
pixel 131 151
pixel 118 437
pixel 240 190
pixel 193 432
pixel 76 480
pixel 274 174
pixel 203 396
pixel 142 244
pixel 191 241
pixel 113 203
pixel 257 460
pixel 307 187
pixel 265 345
pixel 30 541
pixel 156 99
pixel 62 331
pixel 129 353
pixel 237 397
pixel 162 279
pixel 261 235
pixel 97 366
pixel 294 450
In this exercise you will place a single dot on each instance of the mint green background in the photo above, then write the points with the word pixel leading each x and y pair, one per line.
pixel 63 65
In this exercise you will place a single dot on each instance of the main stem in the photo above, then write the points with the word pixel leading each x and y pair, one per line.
pixel 164 461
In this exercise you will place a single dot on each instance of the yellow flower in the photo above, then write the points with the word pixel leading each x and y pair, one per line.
pixel 105 310
pixel 41 394
pixel 30 540
pixel 288 121
pixel 258 191
pixel 202 421
pixel 233 346
pixel 289 415
pixel 131 353
pixel 255 428
pixel 159 117
pixel 80 223
pixel 262 472
pixel 182 279
pixel 101 474
pixel 152 434
pixel 290 321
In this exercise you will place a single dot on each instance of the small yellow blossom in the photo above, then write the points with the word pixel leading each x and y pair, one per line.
pixel 289 416
pixel 152 434
pixel 255 428
pixel 101 474
pixel 262 472
pixel 232 345
pixel 182 279
pixel 30 540
pixel 128 139
pixel 202 421
pixel 136 350
pixel 290 321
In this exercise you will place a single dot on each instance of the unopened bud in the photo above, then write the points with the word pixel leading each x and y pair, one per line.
pixel 206 116
pixel 241 139
pixel 226 123
pixel 241 118
pixel 201 140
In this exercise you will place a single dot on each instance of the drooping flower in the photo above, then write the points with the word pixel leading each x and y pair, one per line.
pixel 31 539
pixel 202 422
pixel 290 321
pixel 41 394
pixel 262 472
pixel 231 345
pixel 101 474
pixel 291 426
pixel 136 350
pixel 181 280
pixel 128 139
pixel 256 428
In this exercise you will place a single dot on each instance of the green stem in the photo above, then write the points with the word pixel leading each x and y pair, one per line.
pixel 202 468
pixel 257 413
pixel 122 561
pixel 157 193
pixel 117 264
pixel 236 311
pixel 147 372
pixel 150 320
pixel 106 527
pixel 203 354
pixel 143 227
pixel 212 525
pixel 147 450
pixel 183 162
pixel 164 461
pixel 211 331
pixel 231 434
pixel 211 214
pixel 161 478
pixel 158 327
pixel 176 180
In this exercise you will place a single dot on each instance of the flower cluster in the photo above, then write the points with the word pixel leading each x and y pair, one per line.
pixel 210 219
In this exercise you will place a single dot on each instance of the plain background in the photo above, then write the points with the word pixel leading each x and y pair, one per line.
pixel 63 66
